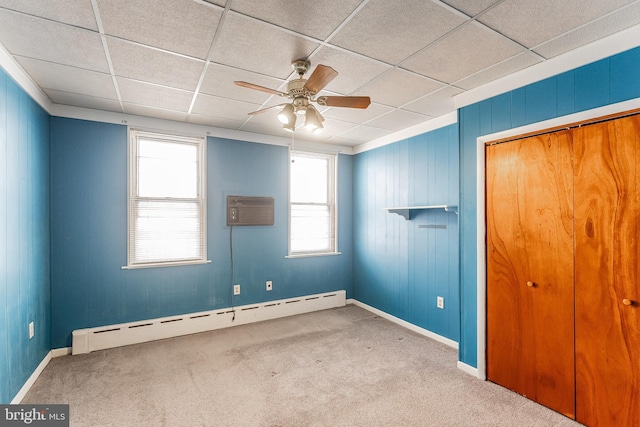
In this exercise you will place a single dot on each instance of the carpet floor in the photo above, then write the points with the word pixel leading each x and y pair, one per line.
pixel 338 367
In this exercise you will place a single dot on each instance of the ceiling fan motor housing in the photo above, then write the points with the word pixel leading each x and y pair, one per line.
pixel 302 91
pixel 296 88
pixel 301 66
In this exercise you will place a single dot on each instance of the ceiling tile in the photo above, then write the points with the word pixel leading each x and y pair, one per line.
pixel 142 63
pixel 534 22
pixel 353 70
pixel 84 101
pixel 398 120
pixel 386 31
pixel 303 134
pixel 398 87
pixel 270 117
pixel 78 13
pixel 470 8
pixel 219 79
pixel 435 104
pixel 617 21
pixel 185 27
pixel 266 129
pixel 49 75
pixel 335 127
pixel 501 69
pixel 313 18
pixel 141 93
pixel 222 107
pixel 365 133
pixel 47 40
pixel 356 115
pixel 256 46
pixel 214 121
pixel 475 47
pixel 141 110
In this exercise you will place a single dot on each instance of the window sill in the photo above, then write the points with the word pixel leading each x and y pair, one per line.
pixel 313 255
pixel 164 264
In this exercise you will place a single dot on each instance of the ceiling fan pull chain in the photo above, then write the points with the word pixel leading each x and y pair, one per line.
pixel 293 146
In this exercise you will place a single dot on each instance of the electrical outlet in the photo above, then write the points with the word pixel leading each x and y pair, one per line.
pixel 269 285
pixel 236 289
pixel 32 331
pixel 440 302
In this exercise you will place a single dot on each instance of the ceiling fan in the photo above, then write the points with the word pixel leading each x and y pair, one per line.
pixel 302 92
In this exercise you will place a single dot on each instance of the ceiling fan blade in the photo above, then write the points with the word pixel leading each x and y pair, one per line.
pixel 260 88
pixel 344 101
pixel 264 110
pixel 320 77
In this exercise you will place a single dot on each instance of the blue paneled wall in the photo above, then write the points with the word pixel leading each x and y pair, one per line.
pixel 24 237
pixel 604 82
pixel 63 221
pixel 401 266
pixel 89 234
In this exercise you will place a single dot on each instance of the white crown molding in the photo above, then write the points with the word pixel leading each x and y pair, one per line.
pixel 433 124
pixel 155 124
pixel 17 73
pixel 600 49
pixel 595 51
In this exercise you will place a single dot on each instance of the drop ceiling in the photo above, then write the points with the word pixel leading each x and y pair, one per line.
pixel 178 59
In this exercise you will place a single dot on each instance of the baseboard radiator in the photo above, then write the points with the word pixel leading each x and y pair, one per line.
pixel 100 338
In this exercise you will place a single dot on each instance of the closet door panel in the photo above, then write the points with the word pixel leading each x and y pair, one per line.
pixel 530 282
pixel 607 206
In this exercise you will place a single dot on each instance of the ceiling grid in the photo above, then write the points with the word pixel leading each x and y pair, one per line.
pixel 177 59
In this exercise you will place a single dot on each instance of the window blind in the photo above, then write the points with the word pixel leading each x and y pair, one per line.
pixel 312 208
pixel 166 203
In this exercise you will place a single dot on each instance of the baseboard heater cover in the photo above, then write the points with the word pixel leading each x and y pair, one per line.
pixel 100 338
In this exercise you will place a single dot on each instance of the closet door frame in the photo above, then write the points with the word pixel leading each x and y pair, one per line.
pixel 610 111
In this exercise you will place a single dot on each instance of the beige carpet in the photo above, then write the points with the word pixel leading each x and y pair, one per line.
pixel 340 367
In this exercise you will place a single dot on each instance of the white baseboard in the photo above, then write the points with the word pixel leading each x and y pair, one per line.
pixel 404 323
pixel 100 338
pixel 32 379
pixel 59 352
pixel 468 369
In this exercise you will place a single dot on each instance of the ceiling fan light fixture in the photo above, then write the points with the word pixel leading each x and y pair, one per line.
pixel 302 92
pixel 313 120
pixel 291 126
pixel 287 115
pixel 318 129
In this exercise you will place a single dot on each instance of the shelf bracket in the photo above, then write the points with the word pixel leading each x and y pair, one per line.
pixel 405 211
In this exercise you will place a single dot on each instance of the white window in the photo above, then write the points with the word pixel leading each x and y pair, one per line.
pixel 167 205
pixel 312 204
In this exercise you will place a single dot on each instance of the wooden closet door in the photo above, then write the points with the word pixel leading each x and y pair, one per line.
pixel 530 286
pixel 607 206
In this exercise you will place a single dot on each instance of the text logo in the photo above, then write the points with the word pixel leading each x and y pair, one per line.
pixel 34 415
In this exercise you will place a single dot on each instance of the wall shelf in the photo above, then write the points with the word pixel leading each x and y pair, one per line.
pixel 405 211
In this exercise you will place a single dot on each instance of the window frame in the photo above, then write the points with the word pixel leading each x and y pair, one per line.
pixel 332 202
pixel 132 196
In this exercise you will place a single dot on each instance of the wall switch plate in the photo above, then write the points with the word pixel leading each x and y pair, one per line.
pixel 236 289
pixel 269 285
pixel 440 302
pixel 31 330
